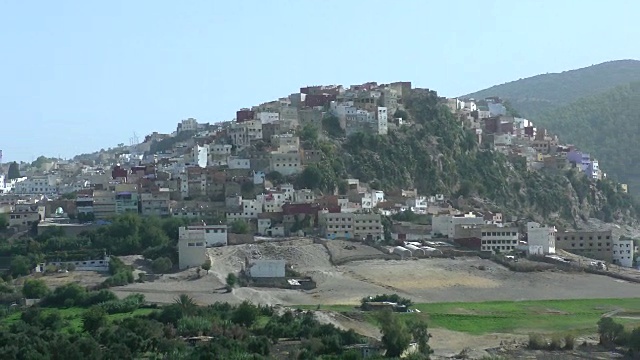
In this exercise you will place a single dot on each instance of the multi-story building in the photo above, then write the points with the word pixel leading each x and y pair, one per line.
pixel 268 117
pixel 126 198
pixel 303 196
pixel 200 155
pixel 192 248
pixel 156 202
pixel 360 226
pixel 242 133
pixel 38 185
pixel 444 225
pixel 382 121
pixel 213 235
pixel 218 154
pixel 499 239
pixel 541 239
pixel 84 203
pixel 623 252
pixel 592 244
pixel 104 204
pixel 187 125
pixel 286 163
pixel 248 209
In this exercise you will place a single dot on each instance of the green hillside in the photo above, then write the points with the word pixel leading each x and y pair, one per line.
pixel 606 125
pixel 538 94
pixel 438 155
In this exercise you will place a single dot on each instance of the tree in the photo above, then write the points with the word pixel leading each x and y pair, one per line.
pixel 245 314
pixel 185 303
pixel 35 289
pixel 239 227
pixel 161 265
pixel 275 177
pixel 309 133
pixel 231 281
pixel 401 114
pixel 421 336
pixel 395 335
pixel 331 124
pixel 206 266
pixel 609 331
pixel 93 319
pixel 634 340
pixel 20 265
pixel 14 171
pixel 4 222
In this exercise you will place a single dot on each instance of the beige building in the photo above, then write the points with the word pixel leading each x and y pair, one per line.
pixel 156 203
pixel 359 226
pixel 592 244
pixel 499 239
pixel 286 163
pixel 104 204
pixel 192 248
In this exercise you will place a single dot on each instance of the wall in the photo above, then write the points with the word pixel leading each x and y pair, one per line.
pixel 267 268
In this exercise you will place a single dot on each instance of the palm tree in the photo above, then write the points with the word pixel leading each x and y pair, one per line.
pixel 186 303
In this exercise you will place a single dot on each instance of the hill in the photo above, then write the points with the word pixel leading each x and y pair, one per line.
pixel 437 155
pixel 606 125
pixel 538 94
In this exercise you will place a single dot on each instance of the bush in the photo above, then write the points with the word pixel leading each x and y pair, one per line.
pixel 556 343
pixel 35 289
pixel 161 265
pixel 128 304
pixel 537 342
pixel 569 342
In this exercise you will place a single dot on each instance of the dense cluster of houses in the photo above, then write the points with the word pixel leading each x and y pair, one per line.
pixel 243 171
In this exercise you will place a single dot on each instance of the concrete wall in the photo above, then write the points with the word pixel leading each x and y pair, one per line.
pixel 267 268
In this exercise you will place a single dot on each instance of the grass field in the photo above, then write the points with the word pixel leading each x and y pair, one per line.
pixel 552 316
pixel 73 317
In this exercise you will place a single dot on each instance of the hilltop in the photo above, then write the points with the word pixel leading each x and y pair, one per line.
pixel 607 125
pixel 538 94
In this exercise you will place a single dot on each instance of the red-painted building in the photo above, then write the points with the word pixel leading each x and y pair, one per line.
pixel 245 115
pixel 118 172
pixel 318 100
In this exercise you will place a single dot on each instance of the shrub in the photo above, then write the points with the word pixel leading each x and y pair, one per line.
pixel 537 342
pixel 161 265
pixel 569 342
pixel 128 304
pixel 556 343
pixel 193 326
pixel 35 289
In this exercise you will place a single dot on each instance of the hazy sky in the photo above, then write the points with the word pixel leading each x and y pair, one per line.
pixel 77 76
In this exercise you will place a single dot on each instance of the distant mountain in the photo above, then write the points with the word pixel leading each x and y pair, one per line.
pixel 608 126
pixel 538 94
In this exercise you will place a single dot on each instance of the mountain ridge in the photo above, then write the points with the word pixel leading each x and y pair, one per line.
pixel 541 93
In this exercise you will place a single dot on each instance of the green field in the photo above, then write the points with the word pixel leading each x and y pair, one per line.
pixel 73 317
pixel 551 316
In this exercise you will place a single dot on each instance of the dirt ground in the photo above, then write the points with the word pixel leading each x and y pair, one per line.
pixel 424 280
pixel 83 278
pixel 346 249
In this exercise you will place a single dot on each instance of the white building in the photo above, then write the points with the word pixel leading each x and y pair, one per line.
pixel 38 185
pixel 189 124
pixel 249 209
pixel 541 236
pixel 214 235
pixel 200 155
pixel 303 196
pixel 417 204
pixel 382 119
pixel 258 177
pixel 192 248
pixel 218 154
pixel 268 117
pixel 445 225
pixel 623 252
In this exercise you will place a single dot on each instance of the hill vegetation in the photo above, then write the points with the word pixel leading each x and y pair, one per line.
pixel 538 94
pixel 438 155
pixel 607 126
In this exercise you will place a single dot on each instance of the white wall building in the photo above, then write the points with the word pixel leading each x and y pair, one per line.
pixel 200 155
pixel 188 125
pixel 623 252
pixel 417 204
pixel 192 248
pixel 38 185
pixel 542 236
pixel 285 163
pixel 268 117
pixel 382 119
pixel 214 235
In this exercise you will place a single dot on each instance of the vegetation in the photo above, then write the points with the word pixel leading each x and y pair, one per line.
pixel 35 289
pixel 161 265
pixel 240 227
pixel 394 298
pixel 538 94
pixel 4 222
pixel 605 125
pixel 547 316
pixel 438 155
pixel 14 171
pixel 73 323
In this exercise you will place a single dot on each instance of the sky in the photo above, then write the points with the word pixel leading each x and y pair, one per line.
pixel 77 76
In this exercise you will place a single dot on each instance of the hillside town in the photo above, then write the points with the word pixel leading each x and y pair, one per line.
pixel 237 179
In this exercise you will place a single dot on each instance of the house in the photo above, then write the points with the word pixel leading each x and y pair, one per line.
pixel 126 198
pixel 199 156
pixel 623 252
pixel 192 248
pixel 189 124
pixel 287 163
pixel 104 204
pixel 360 226
pixel 263 268
pixel 213 235
pixel 156 202
pixel 541 237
